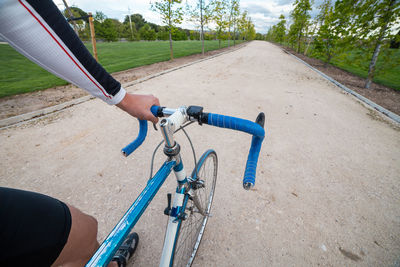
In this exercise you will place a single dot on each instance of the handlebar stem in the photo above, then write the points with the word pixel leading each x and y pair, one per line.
pixel 170 124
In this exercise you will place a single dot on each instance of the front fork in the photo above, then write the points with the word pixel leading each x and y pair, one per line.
pixel 176 215
pixel 183 191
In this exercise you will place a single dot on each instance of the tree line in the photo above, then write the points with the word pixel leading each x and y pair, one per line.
pixel 214 20
pixel 352 30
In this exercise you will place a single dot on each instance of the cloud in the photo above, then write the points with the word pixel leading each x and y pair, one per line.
pixel 256 8
pixel 284 2
pixel 264 13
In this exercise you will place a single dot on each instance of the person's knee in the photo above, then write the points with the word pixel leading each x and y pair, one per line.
pixel 91 234
pixel 86 226
pixel 82 239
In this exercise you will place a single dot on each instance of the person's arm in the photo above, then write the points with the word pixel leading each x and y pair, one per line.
pixel 38 30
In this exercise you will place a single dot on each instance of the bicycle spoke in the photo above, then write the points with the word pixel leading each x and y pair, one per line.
pixel 192 228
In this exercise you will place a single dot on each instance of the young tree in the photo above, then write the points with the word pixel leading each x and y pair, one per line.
pixel 269 34
pixel 300 16
pixel 170 16
pixel 326 43
pixel 200 14
pixel 375 22
pixel 280 30
pixel 242 25
pixel 234 11
pixel 219 16
pixel 252 30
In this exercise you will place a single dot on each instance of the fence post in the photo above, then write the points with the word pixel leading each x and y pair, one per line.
pixel 92 34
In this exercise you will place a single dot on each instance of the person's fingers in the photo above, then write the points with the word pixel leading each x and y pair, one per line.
pixel 152 118
pixel 156 102
pixel 139 106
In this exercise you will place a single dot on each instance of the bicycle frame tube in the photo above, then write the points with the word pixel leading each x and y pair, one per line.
pixel 114 240
pixel 174 219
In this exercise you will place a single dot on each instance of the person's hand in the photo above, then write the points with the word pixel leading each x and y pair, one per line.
pixel 139 106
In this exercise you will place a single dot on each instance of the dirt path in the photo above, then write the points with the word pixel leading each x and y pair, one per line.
pixel 327 191
pixel 386 97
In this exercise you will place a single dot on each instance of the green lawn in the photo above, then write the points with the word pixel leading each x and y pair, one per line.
pixel 389 77
pixel 19 75
pixel 350 62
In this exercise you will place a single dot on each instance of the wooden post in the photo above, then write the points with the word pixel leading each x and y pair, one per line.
pixel 93 36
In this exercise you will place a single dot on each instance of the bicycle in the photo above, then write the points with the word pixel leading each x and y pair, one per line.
pixel 191 206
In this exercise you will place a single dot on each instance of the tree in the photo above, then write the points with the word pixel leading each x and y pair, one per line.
pixel 242 25
pixel 246 27
pixel 251 31
pixel 137 19
pixel 280 30
pixel 201 14
pixel 130 33
pixel 235 15
pixel 119 28
pixel 378 17
pixel 260 36
pixel 269 35
pixel 147 33
pixel 163 33
pixel 367 25
pixel 326 43
pixel 219 17
pixel 170 16
pixel 234 11
pixel 105 27
pixel 300 16
pixel 395 42
pixel 194 35
pixel 108 31
pixel 179 34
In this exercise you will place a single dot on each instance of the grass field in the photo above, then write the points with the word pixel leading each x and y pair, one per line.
pixel 351 63
pixel 19 75
pixel 389 77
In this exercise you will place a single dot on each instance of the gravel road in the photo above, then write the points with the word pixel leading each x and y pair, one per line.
pixel 328 183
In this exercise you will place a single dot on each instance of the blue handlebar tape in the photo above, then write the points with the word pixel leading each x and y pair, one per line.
pixel 138 141
pixel 246 126
pixel 154 110
pixel 252 159
pixel 236 124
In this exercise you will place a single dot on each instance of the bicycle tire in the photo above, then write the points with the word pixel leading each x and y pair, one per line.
pixel 190 231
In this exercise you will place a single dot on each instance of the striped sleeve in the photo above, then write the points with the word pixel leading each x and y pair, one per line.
pixel 38 30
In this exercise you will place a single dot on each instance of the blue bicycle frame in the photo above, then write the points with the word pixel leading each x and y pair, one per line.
pixel 114 240
pixel 168 126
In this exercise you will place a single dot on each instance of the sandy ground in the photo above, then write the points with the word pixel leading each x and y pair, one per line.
pixel 327 190
pixel 386 97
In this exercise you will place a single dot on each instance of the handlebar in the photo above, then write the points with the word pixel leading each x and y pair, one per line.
pixel 249 127
pixel 195 113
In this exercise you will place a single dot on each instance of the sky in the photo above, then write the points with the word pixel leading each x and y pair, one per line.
pixel 264 13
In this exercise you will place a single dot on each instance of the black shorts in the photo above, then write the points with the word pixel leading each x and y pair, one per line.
pixel 34 228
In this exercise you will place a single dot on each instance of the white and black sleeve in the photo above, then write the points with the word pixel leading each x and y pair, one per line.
pixel 38 30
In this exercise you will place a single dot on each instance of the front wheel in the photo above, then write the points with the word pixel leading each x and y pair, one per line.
pixel 197 207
